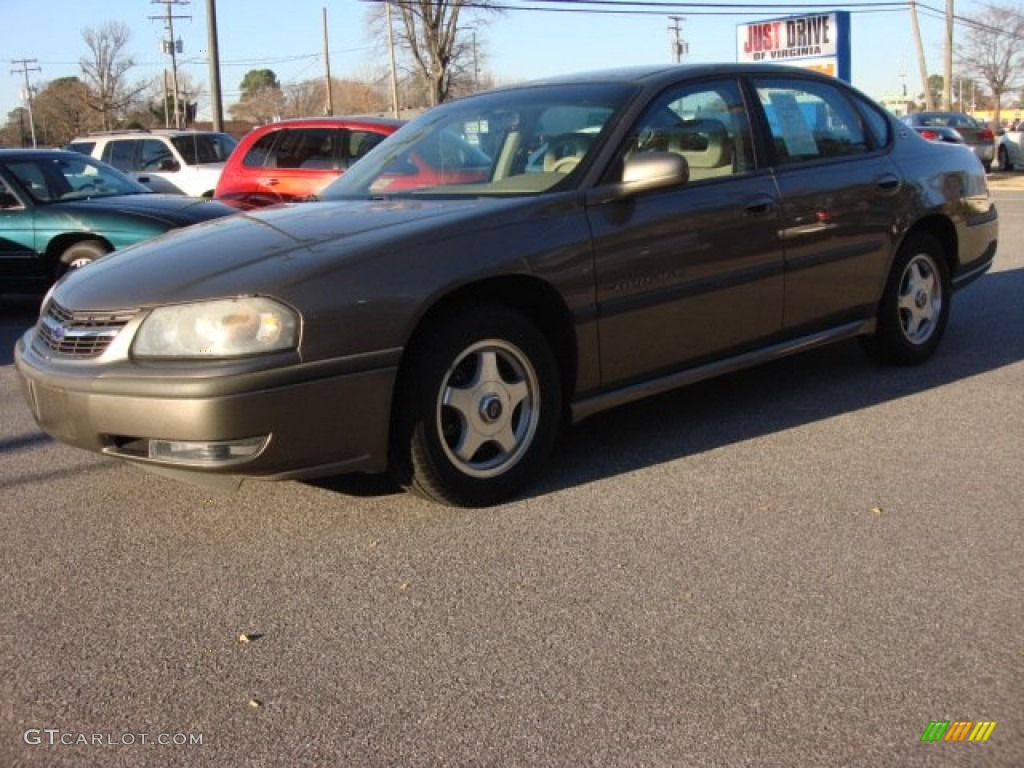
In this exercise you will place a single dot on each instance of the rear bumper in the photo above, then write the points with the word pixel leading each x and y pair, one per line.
pixel 985 152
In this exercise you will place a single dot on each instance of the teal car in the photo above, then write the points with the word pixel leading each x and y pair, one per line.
pixel 61 210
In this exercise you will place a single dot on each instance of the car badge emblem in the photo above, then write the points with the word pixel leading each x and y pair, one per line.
pixel 59 332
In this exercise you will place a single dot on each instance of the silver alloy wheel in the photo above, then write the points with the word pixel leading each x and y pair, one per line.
pixel 920 299
pixel 488 408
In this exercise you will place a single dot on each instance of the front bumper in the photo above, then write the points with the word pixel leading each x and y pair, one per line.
pixel 320 419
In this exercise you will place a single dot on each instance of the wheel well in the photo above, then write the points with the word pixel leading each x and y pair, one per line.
pixel 61 243
pixel 944 232
pixel 531 297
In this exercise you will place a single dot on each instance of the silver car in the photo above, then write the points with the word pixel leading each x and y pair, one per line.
pixel 976 135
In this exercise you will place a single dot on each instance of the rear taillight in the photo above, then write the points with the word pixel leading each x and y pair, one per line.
pixel 987 135
pixel 931 135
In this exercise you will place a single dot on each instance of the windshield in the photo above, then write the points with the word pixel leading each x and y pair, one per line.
pixel 199 148
pixel 70 176
pixel 515 142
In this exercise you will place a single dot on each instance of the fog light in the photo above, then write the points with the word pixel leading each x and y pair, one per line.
pixel 209 452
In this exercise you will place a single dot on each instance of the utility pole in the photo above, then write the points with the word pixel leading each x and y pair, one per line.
pixel 679 46
pixel 329 109
pixel 25 69
pixel 929 102
pixel 391 54
pixel 476 64
pixel 173 47
pixel 947 76
pixel 216 107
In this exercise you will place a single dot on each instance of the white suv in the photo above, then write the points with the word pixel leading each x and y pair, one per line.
pixel 179 162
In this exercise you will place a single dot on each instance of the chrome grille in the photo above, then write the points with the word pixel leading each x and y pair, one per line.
pixel 79 334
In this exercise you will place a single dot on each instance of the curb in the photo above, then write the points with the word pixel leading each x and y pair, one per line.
pixel 1005 180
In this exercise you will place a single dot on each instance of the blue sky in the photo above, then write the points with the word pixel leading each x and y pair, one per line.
pixel 286 36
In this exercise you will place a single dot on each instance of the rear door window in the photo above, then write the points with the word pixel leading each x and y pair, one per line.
pixel 121 154
pixel 309 148
pixel 810 120
pixel 261 153
pixel 156 156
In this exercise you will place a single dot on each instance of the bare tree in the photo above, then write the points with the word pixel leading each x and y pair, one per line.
pixel 158 109
pixel 105 71
pixel 263 106
pixel 354 97
pixel 993 50
pixel 305 99
pixel 442 50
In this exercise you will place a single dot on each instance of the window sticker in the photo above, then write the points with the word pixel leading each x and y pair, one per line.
pixel 796 133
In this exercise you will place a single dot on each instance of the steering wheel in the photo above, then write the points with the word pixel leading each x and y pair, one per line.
pixel 565 164
pixel 565 151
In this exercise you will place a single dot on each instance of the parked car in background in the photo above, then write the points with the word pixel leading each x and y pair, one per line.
pixel 1009 149
pixel 941 133
pixel 61 210
pixel 975 134
pixel 685 222
pixel 293 159
pixel 170 161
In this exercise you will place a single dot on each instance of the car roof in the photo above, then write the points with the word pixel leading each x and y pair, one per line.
pixel 328 120
pixel 656 74
pixel 664 75
pixel 143 133
pixel 37 152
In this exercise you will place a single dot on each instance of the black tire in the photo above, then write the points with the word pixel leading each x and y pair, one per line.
pixel 914 309
pixel 478 409
pixel 1004 159
pixel 80 254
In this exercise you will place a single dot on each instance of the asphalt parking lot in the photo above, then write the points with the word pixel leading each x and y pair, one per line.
pixel 800 565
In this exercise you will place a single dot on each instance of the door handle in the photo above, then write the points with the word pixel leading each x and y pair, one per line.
pixel 764 206
pixel 888 184
pixel 267 182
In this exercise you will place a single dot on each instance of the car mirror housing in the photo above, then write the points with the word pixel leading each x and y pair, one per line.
pixel 646 171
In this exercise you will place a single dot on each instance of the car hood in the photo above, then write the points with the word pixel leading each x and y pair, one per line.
pixel 268 251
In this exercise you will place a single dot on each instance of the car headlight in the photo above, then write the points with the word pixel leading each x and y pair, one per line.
pixel 224 328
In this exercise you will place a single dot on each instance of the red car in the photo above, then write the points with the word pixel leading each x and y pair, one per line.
pixel 293 159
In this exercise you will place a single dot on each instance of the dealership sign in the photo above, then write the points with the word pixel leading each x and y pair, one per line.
pixel 818 41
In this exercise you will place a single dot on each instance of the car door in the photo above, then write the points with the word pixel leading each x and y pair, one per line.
pixel 18 257
pixel 693 272
pixel 840 201
pixel 158 168
pixel 304 161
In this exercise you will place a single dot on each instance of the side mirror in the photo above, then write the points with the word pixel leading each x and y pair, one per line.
pixel 646 171
pixel 170 165
pixel 650 170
